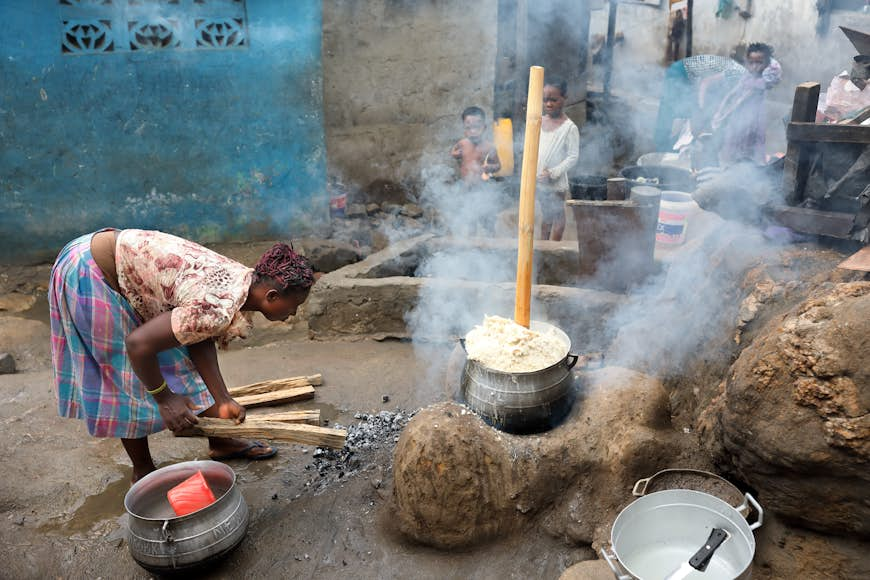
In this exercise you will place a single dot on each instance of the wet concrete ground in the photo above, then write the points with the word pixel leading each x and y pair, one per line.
pixel 61 503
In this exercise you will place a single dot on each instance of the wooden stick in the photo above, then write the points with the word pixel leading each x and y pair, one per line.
pixel 534 107
pixel 272 430
pixel 277 397
pixel 276 384
pixel 311 417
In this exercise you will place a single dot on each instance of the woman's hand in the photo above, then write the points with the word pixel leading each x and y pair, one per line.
pixel 176 410
pixel 204 357
pixel 544 176
pixel 230 409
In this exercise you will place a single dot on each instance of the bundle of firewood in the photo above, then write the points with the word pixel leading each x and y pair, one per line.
pixel 276 392
pixel 293 426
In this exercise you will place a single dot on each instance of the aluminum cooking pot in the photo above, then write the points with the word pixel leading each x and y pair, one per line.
pixel 522 402
pixel 696 479
pixel 160 541
pixel 656 535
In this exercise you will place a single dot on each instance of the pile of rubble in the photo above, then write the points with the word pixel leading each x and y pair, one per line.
pixel 372 227
pixel 368 443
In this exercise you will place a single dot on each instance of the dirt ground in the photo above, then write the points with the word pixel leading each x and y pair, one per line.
pixel 61 503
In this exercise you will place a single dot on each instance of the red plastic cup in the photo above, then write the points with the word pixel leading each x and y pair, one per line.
pixel 190 495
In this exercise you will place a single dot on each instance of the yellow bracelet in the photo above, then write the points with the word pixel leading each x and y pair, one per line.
pixel 158 390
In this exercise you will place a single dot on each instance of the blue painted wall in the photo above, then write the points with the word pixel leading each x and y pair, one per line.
pixel 209 144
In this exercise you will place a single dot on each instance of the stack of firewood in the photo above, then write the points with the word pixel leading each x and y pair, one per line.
pixel 292 426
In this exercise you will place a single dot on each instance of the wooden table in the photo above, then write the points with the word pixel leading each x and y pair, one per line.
pixel 804 134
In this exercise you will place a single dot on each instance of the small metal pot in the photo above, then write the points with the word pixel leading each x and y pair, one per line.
pixel 160 541
pixel 656 534
pixel 522 402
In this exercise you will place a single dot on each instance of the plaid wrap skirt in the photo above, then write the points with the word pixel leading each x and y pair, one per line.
pixel 93 378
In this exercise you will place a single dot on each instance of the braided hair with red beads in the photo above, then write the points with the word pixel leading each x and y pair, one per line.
pixel 287 269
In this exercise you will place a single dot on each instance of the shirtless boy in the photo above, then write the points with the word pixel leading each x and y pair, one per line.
pixel 477 158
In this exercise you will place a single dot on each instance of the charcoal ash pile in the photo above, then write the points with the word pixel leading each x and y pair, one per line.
pixel 369 444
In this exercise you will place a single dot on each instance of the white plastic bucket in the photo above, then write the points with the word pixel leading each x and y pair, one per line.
pixel 674 212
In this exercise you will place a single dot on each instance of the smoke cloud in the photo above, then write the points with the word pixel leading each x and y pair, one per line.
pixel 669 319
pixel 668 316
pixel 467 214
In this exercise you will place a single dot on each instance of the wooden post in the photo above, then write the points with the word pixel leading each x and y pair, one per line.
pixel 690 8
pixel 526 234
pixel 522 57
pixel 797 157
pixel 608 46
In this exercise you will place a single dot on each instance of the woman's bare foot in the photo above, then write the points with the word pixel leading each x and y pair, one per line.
pixel 222 449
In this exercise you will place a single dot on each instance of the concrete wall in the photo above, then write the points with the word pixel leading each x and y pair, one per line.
pixel 380 298
pixel 788 25
pixel 397 74
pixel 212 144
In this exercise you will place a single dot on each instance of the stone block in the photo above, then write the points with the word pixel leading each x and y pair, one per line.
pixel 356 210
pixel 412 210
pixel 329 255
pixel 7 364
pixel 393 208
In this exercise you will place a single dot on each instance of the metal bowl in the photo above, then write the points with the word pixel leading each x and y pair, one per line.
pixel 160 541
pixel 660 176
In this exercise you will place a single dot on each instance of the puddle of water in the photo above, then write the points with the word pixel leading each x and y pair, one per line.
pixel 39 311
pixel 106 507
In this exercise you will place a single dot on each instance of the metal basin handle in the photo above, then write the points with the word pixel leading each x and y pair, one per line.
pixel 573 362
pixel 749 500
pixel 613 562
pixel 639 488
pixel 167 533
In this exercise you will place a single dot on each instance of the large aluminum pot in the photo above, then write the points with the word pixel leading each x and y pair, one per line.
pixel 160 541
pixel 657 534
pixel 696 479
pixel 522 402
